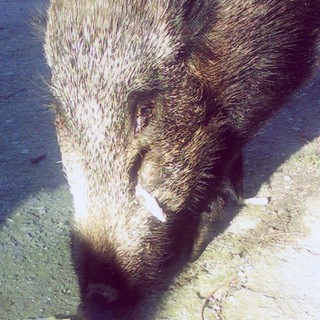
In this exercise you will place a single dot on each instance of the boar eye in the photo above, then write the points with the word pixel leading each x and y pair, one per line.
pixel 142 103
pixel 143 114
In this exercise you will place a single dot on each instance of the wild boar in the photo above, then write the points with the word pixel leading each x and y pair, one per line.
pixel 154 101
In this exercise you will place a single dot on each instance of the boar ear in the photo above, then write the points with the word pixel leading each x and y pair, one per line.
pixel 198 17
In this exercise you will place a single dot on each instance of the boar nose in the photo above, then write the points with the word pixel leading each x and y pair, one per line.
pixel 93 313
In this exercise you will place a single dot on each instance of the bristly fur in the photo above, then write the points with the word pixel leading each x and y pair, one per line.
pixel 38 22
pixel 164 94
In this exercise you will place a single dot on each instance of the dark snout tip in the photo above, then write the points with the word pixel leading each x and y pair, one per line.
pixel 93 313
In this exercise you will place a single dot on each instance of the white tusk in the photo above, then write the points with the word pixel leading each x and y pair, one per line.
pixel 150 203
pixel 255 201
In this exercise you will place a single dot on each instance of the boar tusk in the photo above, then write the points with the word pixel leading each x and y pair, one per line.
pixel 255 201
pixel 150 203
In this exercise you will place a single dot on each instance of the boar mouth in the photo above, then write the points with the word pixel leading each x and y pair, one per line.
pixel 142 196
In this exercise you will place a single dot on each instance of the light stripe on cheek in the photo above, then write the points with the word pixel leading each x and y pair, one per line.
pixel 78 189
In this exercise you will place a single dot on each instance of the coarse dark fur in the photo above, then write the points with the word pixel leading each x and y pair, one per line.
pixel 165 94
